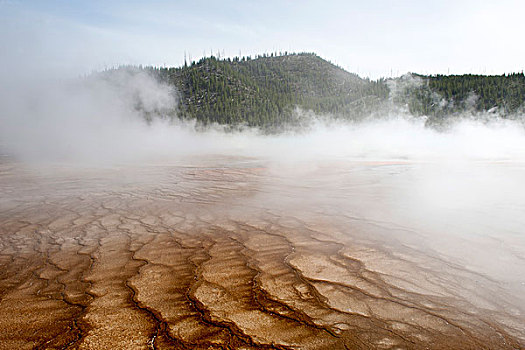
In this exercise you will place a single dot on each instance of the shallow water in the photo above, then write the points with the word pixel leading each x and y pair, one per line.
pixel 249 253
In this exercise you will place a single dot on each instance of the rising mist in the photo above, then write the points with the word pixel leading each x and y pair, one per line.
pixel 129 116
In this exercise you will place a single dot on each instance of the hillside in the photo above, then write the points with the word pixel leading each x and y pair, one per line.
pixel 265 91
pixel 441 97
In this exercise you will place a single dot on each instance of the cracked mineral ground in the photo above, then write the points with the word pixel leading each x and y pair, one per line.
pixel 232 253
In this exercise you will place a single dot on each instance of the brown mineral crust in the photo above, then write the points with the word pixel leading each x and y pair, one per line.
pixel 197 258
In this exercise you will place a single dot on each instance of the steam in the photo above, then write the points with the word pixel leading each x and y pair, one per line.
pixel 399 137
pixel 94 119
pixel 129 116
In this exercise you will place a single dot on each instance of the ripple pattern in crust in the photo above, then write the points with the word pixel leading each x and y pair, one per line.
pixel 192 259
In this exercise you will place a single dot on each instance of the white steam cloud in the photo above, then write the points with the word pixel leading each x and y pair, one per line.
pixel 97 120
pixel 93 119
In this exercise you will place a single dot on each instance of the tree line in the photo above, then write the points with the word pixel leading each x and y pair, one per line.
pixel 266 91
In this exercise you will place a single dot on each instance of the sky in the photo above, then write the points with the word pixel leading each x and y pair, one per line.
pixel 371 38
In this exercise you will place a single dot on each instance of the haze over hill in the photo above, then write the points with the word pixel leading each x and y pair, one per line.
pixel 133 113
pixel 267 91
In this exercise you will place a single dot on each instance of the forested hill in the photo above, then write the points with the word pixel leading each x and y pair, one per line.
pixel 266 90
pixel 440 96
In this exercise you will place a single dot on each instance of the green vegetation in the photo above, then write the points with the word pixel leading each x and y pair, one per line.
pixel 267 90
pixel 440 97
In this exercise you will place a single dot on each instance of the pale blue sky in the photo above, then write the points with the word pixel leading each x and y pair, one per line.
pixel 371 38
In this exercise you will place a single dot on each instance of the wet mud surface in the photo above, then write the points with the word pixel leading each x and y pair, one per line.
pixel 229 256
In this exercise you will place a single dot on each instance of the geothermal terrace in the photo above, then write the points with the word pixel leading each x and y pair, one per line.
pixel 233 254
